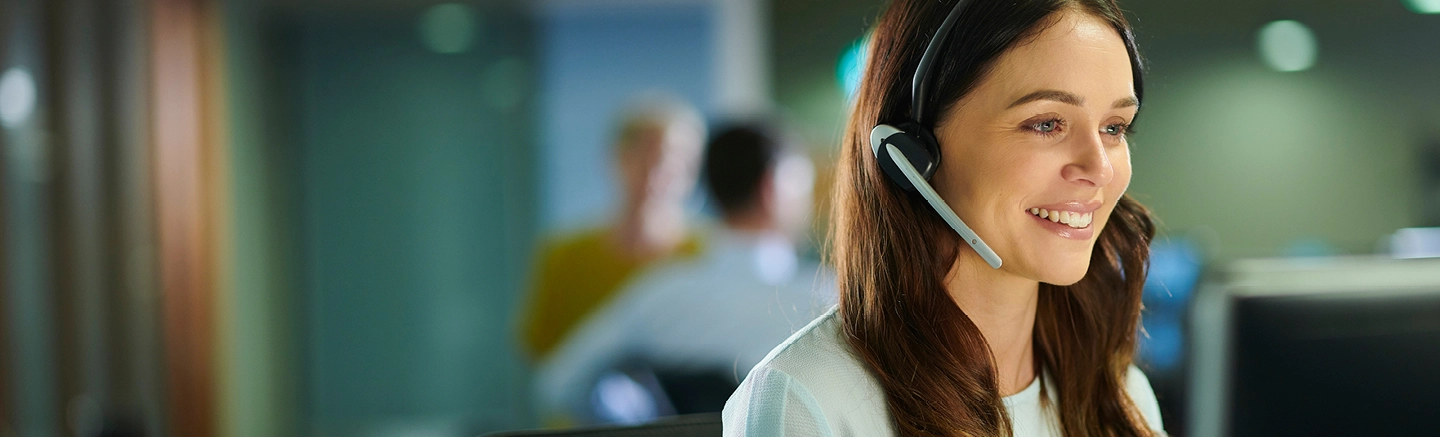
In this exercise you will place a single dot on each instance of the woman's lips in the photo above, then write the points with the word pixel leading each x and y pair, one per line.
pixel 1064 230
pixel 1080 206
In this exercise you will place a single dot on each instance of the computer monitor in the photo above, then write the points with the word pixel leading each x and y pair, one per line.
pixel 1317 347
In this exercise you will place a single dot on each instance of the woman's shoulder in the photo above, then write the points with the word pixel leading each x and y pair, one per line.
pixel 1137 385
pixel 817 351
pixel 811 384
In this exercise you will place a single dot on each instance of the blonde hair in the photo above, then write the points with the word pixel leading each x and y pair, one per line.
pixel 656 110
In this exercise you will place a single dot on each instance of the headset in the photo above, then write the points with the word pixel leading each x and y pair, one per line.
pixel 911 154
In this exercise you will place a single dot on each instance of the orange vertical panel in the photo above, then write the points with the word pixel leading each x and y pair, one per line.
pixel 185 152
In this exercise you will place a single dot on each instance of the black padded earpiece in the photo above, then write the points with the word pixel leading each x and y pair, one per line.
pixel 918 146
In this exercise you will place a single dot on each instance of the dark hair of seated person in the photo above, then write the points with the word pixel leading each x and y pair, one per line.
pixel 737 160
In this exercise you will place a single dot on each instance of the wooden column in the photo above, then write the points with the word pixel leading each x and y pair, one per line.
pixel 188 164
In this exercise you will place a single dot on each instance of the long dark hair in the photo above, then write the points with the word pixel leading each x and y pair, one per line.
pixel 892 253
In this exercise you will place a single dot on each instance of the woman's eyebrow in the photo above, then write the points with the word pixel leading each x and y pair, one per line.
pixel 1053 95
pixel 1069 98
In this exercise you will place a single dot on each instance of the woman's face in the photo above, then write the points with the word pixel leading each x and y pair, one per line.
pixel 1043 134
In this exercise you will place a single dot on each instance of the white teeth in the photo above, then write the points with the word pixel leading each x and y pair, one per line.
pixel 1072 219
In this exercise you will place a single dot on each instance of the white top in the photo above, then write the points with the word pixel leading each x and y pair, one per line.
pixel 813 386
pixel 725 309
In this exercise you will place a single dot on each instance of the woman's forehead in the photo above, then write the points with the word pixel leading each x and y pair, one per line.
pixel 1078 54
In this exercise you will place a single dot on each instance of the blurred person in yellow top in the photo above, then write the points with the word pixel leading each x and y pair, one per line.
pixel 656 155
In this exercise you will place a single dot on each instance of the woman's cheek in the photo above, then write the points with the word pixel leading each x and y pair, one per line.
pixel 1122 172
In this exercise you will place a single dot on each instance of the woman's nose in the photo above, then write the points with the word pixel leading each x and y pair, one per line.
pixel 1091 165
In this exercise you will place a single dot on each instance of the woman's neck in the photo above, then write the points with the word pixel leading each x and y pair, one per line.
pixel 1003 307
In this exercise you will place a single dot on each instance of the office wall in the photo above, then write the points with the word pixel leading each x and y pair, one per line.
pixel 1255 162
pixel 595 58
pixel 414 198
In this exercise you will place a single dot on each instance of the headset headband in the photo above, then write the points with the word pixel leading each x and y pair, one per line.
pixel 920 85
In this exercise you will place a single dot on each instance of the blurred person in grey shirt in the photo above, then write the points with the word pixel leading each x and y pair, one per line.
pixel 720 312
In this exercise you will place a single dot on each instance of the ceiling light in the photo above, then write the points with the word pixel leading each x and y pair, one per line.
pixel 1424 6
pixel 448 28
pixel 17 97
pixel 1287 45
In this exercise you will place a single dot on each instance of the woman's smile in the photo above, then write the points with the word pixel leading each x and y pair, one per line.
pixel 1072 220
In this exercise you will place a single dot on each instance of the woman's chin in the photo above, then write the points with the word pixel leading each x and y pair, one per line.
pixel 1064 275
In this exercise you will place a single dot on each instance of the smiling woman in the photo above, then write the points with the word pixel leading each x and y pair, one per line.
pixel 1029 103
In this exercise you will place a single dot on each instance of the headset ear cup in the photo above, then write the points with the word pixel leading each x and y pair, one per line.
pixel 914 147
pixel 928 142
pixel 922 152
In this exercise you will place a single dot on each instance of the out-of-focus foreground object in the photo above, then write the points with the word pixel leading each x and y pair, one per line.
pixel 111 147
pixel 1328 346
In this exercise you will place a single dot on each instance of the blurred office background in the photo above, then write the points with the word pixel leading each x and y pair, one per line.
pixel 317 217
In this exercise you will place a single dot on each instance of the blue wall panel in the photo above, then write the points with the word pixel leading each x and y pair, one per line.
pixel 595 60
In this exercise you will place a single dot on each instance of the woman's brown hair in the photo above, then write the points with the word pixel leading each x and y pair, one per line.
pixel 892 253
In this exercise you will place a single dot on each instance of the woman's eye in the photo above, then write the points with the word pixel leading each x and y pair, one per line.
pixel 1046 127
pixel 1116 129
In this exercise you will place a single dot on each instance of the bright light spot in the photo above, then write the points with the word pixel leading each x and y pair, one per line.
pixel 448 28
pixel 504 83
pixel 620 399
pixel 1424 6
pixel 17 97
pixel 852 67
pixel 1287 45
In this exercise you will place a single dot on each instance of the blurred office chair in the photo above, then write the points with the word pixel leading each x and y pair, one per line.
pixel 636 392
pixel 696 392
pixel 694 425
pixel 628 394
